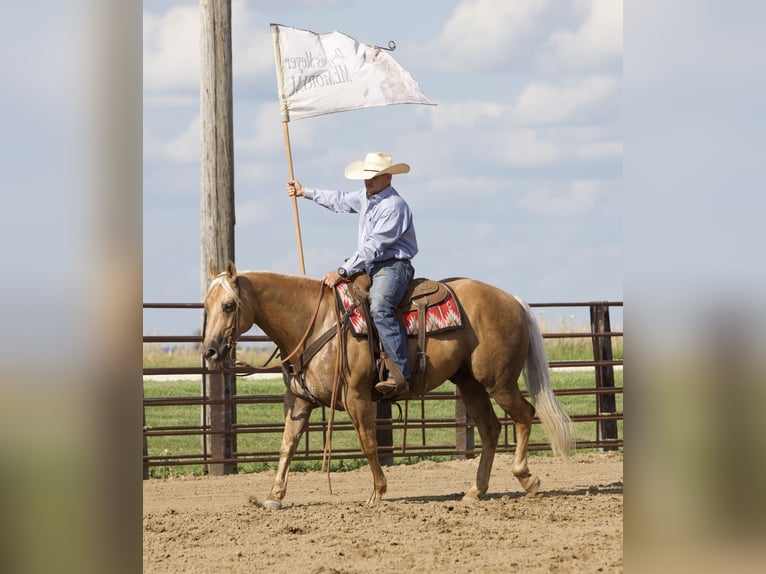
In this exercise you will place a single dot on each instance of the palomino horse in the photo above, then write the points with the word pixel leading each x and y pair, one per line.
pixel 484 359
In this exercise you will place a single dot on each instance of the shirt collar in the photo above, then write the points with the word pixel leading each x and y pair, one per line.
pixel 385 192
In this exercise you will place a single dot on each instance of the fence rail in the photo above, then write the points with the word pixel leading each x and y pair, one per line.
pixel 222 433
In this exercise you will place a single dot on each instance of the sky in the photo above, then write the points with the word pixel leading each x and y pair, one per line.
pixel 520 178
pixel 516 175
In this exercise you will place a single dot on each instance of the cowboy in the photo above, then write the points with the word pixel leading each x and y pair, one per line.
pixel 386 246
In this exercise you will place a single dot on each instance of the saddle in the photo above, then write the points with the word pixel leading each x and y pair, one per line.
pixel 423 293
pixel 427 307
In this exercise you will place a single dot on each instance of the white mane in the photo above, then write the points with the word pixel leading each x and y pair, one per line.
pixel 222 280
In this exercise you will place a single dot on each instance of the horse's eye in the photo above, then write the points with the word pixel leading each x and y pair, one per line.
pixel 228 307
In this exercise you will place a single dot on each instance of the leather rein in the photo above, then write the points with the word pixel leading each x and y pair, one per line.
pixel 231 341
pixel 338 329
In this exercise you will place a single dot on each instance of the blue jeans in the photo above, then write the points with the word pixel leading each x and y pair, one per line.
pixel 389 282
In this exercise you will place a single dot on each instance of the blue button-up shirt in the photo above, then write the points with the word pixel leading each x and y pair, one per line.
pixel 386 228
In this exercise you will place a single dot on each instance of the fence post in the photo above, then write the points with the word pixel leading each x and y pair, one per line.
pixel 384 436
pixel 146 446
pixel 464 435
pixel 220 418
pixel 602 351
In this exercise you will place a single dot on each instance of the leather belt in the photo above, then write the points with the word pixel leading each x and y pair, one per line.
pixel 391 259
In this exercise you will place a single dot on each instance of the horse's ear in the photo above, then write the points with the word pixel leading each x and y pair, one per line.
pixel 231 270
pixel 213 271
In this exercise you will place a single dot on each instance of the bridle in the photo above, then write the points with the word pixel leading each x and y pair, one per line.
pixel 337 330
pixel 231 339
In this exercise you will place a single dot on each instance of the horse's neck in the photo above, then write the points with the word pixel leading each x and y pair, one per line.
pixel 283 305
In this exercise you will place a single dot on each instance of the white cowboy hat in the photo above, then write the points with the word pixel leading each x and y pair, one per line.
pixel 375 163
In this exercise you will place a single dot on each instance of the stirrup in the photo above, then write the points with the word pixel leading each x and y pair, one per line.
pixel 390 386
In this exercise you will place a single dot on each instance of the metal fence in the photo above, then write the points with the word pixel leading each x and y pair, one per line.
pixel 406 429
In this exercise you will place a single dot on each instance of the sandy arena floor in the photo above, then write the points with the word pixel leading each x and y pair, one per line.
pixel 215 524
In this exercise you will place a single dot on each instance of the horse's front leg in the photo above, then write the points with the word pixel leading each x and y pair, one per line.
pixel 361 411
pixel 296 419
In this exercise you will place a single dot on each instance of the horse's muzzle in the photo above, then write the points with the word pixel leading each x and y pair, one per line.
pixel 215 355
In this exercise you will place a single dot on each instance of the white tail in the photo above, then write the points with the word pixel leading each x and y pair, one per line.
pixel 555 420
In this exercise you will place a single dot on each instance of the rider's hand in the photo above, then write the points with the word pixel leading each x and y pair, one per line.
pixel 331 279
pixel 295 189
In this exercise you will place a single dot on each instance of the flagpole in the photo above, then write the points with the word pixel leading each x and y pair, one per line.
pixel 286 131
pixel 290 176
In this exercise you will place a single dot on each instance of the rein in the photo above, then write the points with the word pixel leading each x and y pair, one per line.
pixel 327 454
pixel 339 363
pixel 253 369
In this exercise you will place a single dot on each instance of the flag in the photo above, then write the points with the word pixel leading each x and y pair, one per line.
pixel 326 73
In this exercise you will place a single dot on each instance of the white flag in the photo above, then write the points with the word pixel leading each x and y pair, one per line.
pixel 326 73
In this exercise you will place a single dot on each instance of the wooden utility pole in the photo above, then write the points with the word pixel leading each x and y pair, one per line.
pixel 217 206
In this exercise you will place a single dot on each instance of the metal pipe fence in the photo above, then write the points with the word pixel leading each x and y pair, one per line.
pixel 416 428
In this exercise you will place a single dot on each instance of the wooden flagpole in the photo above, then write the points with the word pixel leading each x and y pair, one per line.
pixel 286 131
pixel 291 175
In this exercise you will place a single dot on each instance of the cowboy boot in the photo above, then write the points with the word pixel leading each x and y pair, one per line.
pixel 395 383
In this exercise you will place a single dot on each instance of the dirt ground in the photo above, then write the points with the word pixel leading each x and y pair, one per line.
pixel 215 524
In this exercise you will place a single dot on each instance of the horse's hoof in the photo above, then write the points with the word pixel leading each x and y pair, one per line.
pixel 533 486
pixel 472 496
pixel 272 504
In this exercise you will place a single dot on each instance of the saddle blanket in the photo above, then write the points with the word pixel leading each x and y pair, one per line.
pixel 441 317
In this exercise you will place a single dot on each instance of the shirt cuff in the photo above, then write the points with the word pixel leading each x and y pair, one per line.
pixel 308 193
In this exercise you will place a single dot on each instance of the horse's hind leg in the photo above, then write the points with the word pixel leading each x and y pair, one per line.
pixel 296 419
pixel 479 408
pixel 521 412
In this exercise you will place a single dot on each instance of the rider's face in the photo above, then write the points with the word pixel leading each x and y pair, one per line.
pixel 377 183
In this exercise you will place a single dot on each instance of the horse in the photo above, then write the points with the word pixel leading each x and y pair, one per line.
pixel 499 339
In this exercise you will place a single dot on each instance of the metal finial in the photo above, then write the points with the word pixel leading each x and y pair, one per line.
pixel 391 46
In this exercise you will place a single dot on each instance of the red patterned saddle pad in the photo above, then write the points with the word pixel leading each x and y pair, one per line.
pixel 441 317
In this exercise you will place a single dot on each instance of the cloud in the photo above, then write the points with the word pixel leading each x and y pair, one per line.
pixel 171 49
pixel 266 130
pixel 185 147
pixel 492 35
pixel 547 104
pixel 597 41
pixel 524 147
pixel 255 212
pixel 601 149
pixel 484 34
pixel 172 101
pixel 466 114
pixel 575 201
pixel 548 126
pixel 251 45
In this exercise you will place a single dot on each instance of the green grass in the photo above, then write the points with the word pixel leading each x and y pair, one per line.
pixel 188 355
pixel 578 349
pixel 342 439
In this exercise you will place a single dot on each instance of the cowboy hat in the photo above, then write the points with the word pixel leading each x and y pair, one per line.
pixel 375 163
